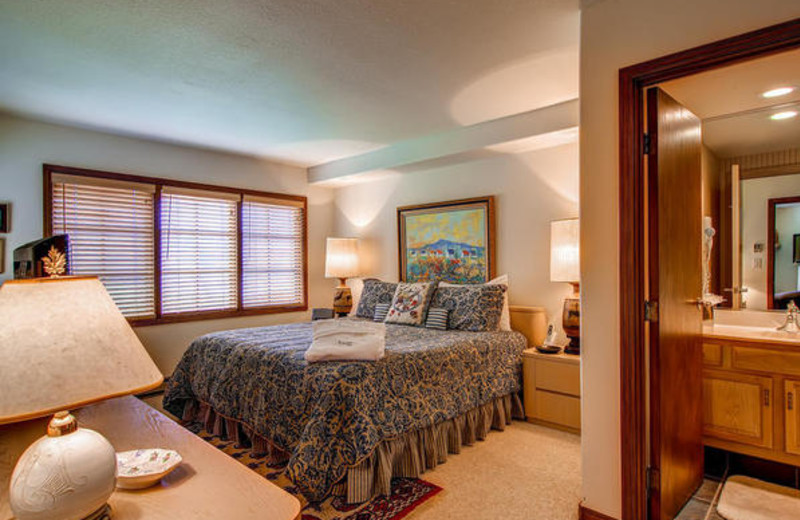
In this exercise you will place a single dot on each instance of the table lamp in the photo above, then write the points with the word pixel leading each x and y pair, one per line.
pixel 565 267
pixel 64 344
pixel 341 261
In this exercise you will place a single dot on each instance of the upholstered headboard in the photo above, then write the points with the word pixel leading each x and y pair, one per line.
pixel 530 321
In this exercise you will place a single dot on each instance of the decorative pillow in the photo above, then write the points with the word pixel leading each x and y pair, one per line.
pixel 475 308
pixel 505 317
pixel 373 293
pixel 437 318
pixel 381 310
pixel 410 303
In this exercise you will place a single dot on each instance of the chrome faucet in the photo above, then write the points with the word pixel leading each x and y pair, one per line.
pixel 790 325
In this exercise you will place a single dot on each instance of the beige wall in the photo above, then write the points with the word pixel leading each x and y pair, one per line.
pixel 25 145
pixel 531 189
pixel 614 34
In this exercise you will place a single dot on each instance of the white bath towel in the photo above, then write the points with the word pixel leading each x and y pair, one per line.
pixel 347 340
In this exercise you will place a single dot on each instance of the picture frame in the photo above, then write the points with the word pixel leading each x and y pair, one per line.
pixel 5 217
pixel 451 241
pixel 796 249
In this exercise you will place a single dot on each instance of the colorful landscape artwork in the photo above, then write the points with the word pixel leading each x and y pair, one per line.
pixel 449 243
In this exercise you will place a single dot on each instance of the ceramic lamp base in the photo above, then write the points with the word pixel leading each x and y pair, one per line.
pixel 571 322
pixel 342 299
pixel 574 346
pixel 67 475
pixel 104 513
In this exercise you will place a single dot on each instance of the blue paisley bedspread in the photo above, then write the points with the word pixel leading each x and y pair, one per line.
pixel 329 416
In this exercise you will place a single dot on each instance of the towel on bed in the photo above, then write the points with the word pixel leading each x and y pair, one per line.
pixel 346 340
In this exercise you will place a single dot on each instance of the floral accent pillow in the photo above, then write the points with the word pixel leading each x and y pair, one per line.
pixel 475 308
pixel 410 303
pixel 373 293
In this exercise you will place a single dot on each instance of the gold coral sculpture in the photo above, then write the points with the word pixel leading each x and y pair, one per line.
pixel 55 263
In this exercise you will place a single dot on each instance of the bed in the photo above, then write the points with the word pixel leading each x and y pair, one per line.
pixel 348 427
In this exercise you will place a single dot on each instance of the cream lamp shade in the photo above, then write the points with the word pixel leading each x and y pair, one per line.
pixel 341 258
pixel 565 251
pixel 64 344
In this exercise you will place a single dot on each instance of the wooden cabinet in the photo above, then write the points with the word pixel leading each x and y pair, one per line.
pixel 552 389
pixel 791 393
pixel 738 407
pixel 750 398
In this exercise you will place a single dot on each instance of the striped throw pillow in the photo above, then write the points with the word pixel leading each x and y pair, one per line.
pixel 381 310
pixel 437 318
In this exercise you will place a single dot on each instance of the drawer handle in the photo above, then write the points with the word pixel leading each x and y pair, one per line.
pixel 790 401
pixel 766 397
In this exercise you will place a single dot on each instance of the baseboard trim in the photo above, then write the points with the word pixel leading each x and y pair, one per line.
pixel 584 513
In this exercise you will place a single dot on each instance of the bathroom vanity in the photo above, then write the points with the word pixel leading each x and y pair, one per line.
pixel 751 388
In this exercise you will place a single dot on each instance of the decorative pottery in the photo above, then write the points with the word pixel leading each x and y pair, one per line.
pixel 139 469
pixel 67 477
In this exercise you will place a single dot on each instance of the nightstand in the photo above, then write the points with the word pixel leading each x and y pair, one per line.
pixel 552 389
pixel 207 484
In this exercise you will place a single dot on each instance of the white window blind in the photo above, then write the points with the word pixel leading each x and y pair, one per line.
pixel 198 252
pixel 272 253
pixel 110 228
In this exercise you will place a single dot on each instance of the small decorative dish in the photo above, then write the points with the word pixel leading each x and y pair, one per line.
pixel 138 469
pixel 548 349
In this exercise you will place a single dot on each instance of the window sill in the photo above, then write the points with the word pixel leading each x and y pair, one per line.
pixel 215 315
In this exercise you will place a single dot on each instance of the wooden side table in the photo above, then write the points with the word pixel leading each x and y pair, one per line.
pixel 552 389
pixel 207 484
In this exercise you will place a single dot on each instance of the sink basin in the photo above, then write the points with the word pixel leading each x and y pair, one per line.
pixel 750 332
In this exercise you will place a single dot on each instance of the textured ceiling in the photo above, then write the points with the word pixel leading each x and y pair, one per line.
pixel 302 81
pixel 736 118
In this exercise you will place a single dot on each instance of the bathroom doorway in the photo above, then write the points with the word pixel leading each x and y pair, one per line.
pixel 644 426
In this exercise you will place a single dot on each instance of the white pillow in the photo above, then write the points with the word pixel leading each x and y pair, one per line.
pixel 505 317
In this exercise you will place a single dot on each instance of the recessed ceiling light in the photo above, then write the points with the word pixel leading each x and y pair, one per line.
pixel 776 92
pixel 784 115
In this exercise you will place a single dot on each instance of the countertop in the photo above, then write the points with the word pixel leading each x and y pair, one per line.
pixel 756 334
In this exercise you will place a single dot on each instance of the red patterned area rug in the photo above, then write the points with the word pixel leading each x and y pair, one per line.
pixel 407 493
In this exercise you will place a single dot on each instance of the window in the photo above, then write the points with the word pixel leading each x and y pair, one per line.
pixel 198 253
pixel 174 251
pixel 110 227
pixel 272 259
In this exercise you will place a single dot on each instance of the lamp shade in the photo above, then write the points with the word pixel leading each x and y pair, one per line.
pixel 65 344
pixel 565 251
pixel 341 258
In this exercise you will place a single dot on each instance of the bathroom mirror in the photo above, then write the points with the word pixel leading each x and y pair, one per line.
pixel 751 179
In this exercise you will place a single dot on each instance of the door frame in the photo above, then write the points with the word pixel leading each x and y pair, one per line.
pixel 771 206
pixel 633 81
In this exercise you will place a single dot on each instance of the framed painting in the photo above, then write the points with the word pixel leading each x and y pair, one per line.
pixel 449 241
pixel 5 218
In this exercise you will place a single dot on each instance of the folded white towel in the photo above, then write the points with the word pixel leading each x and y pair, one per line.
pixel 342 339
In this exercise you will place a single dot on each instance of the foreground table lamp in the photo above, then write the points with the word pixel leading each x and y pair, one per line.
pixel 64 344
pixel 565 267
pixel 341 261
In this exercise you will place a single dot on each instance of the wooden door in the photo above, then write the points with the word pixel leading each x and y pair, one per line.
pixel 792 393
pixel 738 407
pixel 675 282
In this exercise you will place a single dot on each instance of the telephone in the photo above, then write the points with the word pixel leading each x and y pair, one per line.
pixel 550 345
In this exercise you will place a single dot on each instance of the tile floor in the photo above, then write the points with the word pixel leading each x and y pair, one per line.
pixel 701 503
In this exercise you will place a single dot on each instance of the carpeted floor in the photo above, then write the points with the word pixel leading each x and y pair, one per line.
pixel 526 472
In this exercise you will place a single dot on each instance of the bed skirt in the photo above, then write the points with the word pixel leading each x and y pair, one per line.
pixel 407 455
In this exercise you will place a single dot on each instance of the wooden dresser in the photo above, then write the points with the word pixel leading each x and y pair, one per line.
pixel 207 484
pixel 750 397
pixel 552 389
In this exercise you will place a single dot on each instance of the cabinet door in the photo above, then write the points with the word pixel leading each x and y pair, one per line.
pixel 738 407
pixel 792 392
